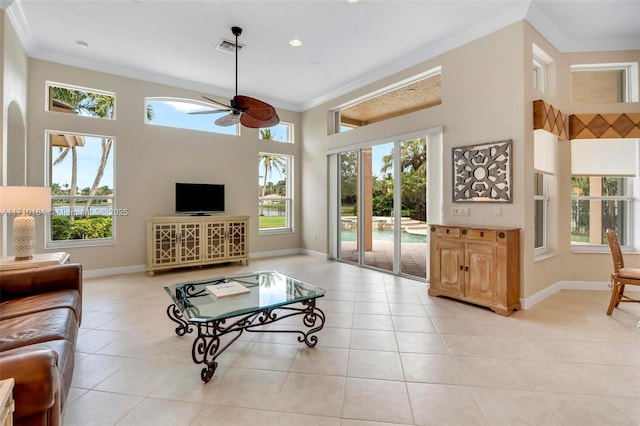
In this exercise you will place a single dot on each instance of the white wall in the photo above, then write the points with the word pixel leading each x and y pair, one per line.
pixel 13 92
pixel 149 159
pixel 482 101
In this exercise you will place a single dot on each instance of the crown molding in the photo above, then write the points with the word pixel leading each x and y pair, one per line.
pixel 517 13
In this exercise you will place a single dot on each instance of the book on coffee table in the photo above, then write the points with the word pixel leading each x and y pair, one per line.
pixel 228 289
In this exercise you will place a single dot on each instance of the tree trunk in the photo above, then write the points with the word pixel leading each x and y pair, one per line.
pixel 106 149
pixel 264 189
pixel 74 183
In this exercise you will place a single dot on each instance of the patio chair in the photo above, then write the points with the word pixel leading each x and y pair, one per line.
pixel 621 276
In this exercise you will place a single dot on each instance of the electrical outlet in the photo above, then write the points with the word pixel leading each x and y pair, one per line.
pixel 459 211
pixel 496 211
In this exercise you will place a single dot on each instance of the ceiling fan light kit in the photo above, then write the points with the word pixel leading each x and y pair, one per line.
pixel 248 111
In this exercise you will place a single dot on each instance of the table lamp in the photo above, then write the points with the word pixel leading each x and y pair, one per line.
pixel 24 202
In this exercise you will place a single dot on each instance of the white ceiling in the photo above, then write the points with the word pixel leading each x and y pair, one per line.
pixel 345 45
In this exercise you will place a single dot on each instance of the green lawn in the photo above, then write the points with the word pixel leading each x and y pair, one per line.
pixel 272 222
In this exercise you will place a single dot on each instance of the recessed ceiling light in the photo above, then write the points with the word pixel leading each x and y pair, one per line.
pixel 352 1
pixel 295 42
pixel 82 44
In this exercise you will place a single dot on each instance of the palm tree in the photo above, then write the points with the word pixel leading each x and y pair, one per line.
pixel 96 105
pixel 270 163
pixel 74 175
pixel 84 103
pixel 413 157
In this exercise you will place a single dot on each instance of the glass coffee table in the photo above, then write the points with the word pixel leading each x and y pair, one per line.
pixel 272 297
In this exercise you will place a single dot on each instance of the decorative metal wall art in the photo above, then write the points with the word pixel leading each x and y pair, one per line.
pixel 482 172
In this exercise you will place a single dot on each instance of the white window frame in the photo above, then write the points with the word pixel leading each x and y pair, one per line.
pixel 198 106
pixel 288 199
pixel 632 198
pixel 50 243
pixel 541 64
pixel 544 197
pixel 539 75
pixel 335 115
pixel 48 99
pixel 631 93
pixel 289 133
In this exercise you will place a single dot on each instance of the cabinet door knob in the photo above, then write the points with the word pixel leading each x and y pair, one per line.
pixel 447 231
pixel 466 268
pixel 482 233
pixel 464 232
pixel 461 267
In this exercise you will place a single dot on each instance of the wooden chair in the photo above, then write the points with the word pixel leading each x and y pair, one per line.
pixel 621 276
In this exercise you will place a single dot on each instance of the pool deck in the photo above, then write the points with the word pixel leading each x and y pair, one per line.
pixel 413 257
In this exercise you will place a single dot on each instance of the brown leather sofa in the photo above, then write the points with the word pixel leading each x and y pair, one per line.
pixel 40 312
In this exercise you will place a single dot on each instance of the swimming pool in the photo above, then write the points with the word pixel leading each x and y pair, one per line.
pixel 405 237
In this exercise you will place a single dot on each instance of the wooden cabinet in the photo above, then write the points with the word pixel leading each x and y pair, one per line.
pixel 480 265
pixel 175 241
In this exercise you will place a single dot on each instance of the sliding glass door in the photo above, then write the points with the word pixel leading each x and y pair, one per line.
pixel 382 207
pixel 348 185
pixel 413 222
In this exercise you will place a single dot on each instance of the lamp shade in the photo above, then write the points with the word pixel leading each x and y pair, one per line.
pixel 25 199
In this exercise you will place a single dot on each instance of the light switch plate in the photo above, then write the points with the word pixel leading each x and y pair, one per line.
pixel 459 211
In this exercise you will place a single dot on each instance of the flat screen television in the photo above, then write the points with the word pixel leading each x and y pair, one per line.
pixel 199 198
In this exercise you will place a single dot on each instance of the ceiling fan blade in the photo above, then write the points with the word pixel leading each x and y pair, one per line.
pixel 228 120
pixel 254 123
pixel 226 107
pixel 213 111
pixel 254 107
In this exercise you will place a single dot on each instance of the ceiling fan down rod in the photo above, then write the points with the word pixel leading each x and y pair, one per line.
pixel 236 32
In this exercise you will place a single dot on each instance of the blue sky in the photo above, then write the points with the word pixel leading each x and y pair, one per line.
pixel 166 113
pixel 88 161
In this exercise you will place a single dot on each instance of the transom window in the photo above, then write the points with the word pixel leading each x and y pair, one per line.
pixel 541 63
pixel 604 83
pixel 414 94
pixel 184 114
pixel 282 132
pixel 81 101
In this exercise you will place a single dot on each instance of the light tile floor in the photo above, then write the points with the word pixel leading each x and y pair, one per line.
pixel 389 354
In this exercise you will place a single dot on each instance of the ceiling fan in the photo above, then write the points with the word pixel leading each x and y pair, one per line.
pixel 248 111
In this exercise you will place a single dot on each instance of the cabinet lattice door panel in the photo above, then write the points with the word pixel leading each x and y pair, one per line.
pixel 165 244
pixel 480 265
pixel 216 234
pixel 174 241
pixel 237 239
pixel 190 246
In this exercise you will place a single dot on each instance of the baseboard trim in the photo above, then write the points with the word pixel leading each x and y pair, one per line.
pixel 274 253
pixel 529 302
pixel 95 273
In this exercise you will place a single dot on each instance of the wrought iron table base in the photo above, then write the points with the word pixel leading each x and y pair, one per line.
pixel 207 345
